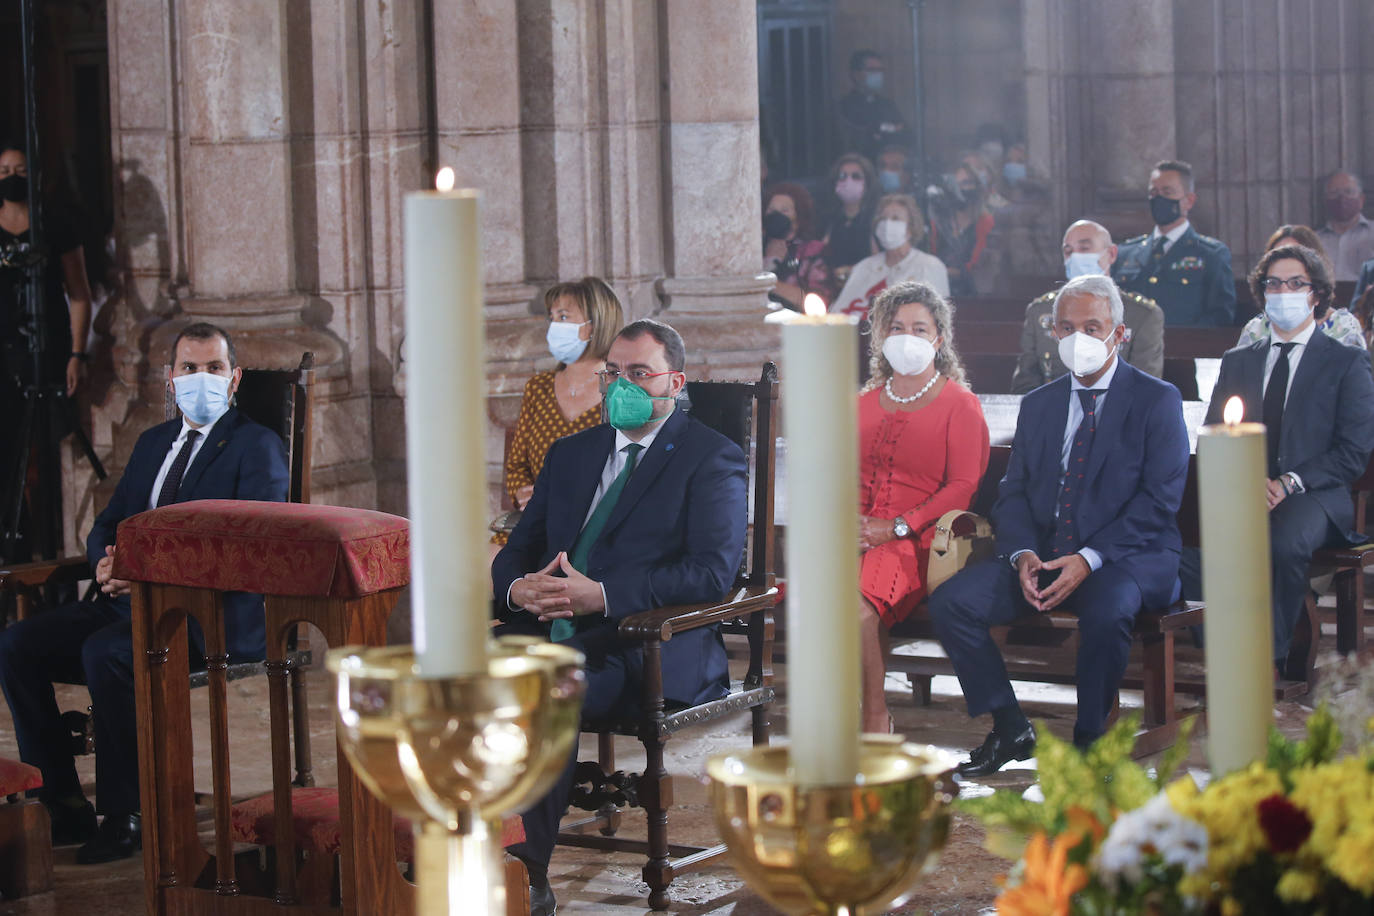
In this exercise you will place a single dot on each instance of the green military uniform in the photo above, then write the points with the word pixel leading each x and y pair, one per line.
pixel 1192 281
pixel 1039 362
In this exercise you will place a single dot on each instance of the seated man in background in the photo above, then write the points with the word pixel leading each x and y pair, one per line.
pixel 1316 398
pixel 1085 520
pixel 211 452
pixel 647 511
pixel 1088 249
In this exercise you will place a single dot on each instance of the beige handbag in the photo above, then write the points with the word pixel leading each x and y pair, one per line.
pixel 960 538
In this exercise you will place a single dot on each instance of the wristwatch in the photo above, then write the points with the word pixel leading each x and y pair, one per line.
pixel 1292 480
pixel 900 528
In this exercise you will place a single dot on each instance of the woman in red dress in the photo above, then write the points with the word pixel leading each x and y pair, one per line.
pixel 923 448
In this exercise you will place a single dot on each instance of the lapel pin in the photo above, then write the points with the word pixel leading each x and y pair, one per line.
pixel 668 447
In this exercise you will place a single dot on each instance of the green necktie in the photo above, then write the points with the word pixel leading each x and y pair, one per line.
pixel 563 628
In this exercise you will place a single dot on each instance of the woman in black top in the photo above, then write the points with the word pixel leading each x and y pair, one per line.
pixel 64 281
pixel 849 217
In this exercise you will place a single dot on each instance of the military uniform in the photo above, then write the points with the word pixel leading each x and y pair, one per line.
pixel 1192 281
pixel 1039 362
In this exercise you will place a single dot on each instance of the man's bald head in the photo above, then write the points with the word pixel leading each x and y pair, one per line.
pixel 1086 237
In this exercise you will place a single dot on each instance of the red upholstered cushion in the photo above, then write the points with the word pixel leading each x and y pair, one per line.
pixel 16 777
pixel 272 548
pixel 316 814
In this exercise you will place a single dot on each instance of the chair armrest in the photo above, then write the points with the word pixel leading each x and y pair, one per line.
pixel 662 623
pixel 44 572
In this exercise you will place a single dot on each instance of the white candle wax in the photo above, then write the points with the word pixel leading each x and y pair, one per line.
pixel 1232 469
pixel 820 420
pixel 446 432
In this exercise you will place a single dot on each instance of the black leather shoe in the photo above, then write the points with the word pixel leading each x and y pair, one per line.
pixel 120 836
pixel 72 824
pixel 996 752
pixel 542 902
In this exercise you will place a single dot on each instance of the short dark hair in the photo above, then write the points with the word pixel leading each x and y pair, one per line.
pixel 674 351
pixel 204 330
pixel 860 57
pixel 805 223
pixel 1317 271
pixel 1177 165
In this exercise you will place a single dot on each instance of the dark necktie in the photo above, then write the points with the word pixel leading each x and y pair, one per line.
pixel 582 548
pixel 1274 396
pixel 1066 529
pixel 1157 250
pixel 172 482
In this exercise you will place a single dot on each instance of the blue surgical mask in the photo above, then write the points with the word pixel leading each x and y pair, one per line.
pixel 1014 172
pixel 202 397
pixel 873 81
pixel 891 181
pixel 1082 263
pixel 1286 311
pixel 564 341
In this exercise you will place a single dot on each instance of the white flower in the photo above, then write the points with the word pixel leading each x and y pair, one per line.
pixel 1154 828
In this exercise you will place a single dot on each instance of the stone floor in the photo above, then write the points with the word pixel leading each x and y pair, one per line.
pixel 964 881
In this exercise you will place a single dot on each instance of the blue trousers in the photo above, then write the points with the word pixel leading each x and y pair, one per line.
pixel 988 594
pixel 82 643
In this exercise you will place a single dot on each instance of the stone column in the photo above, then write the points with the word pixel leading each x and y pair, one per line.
pixel 713 290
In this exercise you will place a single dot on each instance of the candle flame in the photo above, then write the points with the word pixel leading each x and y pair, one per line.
pixel 1233 411
pixel 813 305
pixel 444 180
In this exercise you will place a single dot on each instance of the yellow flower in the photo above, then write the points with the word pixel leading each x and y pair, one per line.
pixel 1048 882
pixel 1229 809
pixel 1231 907
pixel 1298 885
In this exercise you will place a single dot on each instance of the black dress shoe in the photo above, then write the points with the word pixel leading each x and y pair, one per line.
pixel 119 837
pixel 72 824
pixel 997 751
pixel 542 902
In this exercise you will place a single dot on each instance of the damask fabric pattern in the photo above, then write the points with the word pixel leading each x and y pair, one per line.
pixel 918 464
pixel 16 777
pixel 541 422
pixel 1339 324
pixel 270 548
pixel 315 812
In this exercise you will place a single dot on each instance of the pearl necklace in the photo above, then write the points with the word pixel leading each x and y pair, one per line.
pixel 915 397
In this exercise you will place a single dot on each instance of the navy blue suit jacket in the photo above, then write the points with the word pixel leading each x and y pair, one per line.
pixel 239 460
pixel 676 537
pixel 1134 485
pixel 1328 419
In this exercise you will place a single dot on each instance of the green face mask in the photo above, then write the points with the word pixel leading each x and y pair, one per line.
pixel 628 406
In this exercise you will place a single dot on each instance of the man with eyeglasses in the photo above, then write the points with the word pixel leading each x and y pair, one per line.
pixel 1316 398
pixel 645 511
pixel 1187 273
pixel 1348 235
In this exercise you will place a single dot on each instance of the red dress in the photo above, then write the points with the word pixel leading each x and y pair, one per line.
pixel 918 464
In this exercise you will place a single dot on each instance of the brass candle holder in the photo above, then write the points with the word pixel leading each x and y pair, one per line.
pixel 455 755
pixel 841 850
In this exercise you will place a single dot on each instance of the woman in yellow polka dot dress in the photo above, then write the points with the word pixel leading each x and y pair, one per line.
pixel 584 317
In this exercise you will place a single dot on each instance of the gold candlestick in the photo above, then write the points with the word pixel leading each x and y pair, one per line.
pixel 839 850
pixel 457 754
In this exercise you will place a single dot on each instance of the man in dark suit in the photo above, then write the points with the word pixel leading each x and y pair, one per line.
pixel 1088 249
pixel 1187 273
pixel 1363 282
pixel 647 511
pixel 1316 397
pixel 211 452
pixel 1084 519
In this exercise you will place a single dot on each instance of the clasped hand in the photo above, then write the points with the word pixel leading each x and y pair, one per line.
pixel 1073 569
pixel 1274 492
pixel 874 532
pixel 104 578
pixel 550 597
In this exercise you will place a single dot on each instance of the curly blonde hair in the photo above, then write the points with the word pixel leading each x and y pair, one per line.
pixel 885 308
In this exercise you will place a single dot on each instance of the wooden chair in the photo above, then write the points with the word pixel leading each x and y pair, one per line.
pixel 281 400
pixel 745 412
pixel 25 833
pixel 1349 565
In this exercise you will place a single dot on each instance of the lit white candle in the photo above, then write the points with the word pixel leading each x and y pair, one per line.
pixel 1232 470
pixel 820 420
pixel 446 430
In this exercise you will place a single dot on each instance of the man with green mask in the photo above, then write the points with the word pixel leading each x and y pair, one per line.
pixel 645 511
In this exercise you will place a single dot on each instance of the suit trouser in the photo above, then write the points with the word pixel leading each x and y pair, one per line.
pixel 83 643
pixel 988 594
pixel 609 686
pixel 1298 527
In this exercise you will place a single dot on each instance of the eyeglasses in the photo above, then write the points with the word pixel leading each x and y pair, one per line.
pixel 852 176
pixel 1293 284
pixel 606 377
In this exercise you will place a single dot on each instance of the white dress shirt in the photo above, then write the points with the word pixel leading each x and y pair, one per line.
pixel 172 452
pixel 1348 250
pixel 1301 340
pixel 1173 235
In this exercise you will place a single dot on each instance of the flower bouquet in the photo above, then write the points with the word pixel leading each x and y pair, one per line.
pixel 1102 835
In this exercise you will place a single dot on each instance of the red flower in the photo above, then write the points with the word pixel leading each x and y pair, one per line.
pixel 1285 825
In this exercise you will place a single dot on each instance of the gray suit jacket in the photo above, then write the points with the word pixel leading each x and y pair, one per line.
pixel 1328 419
